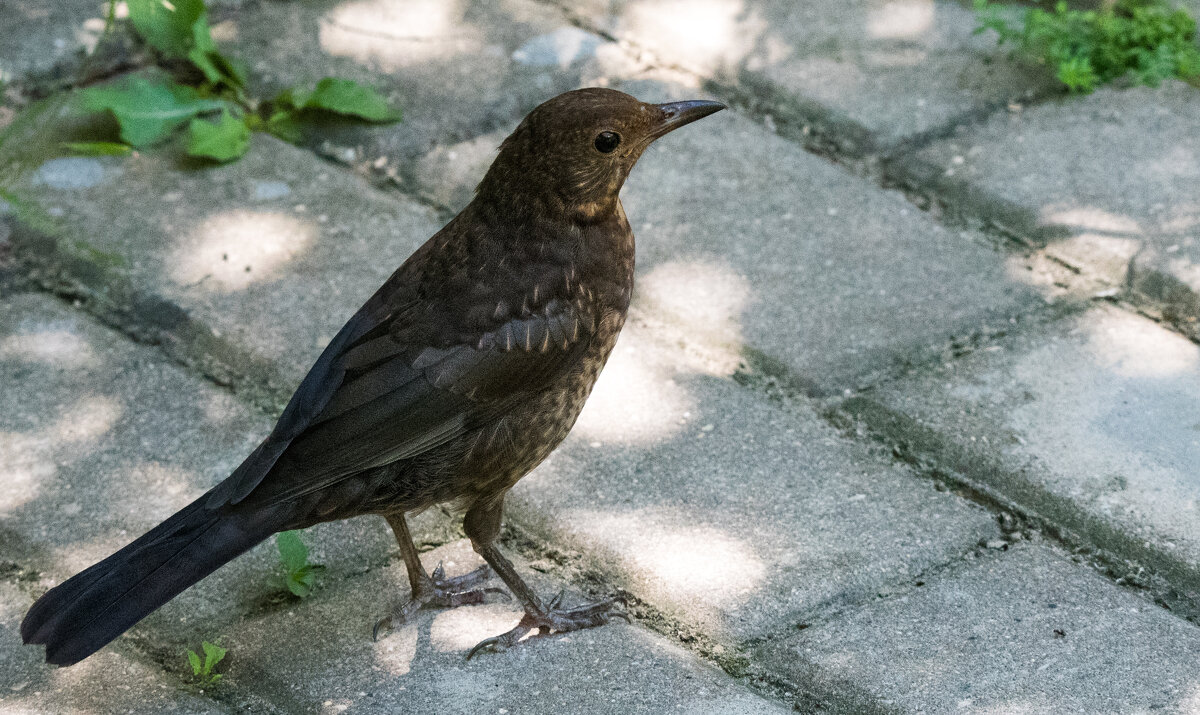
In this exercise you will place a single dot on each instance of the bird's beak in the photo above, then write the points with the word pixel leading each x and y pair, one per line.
pixel 677 114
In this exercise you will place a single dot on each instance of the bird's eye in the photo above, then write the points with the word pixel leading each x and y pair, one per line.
pixel 606 142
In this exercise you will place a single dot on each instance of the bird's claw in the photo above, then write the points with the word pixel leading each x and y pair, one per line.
pixel 554 620
pixel 444 593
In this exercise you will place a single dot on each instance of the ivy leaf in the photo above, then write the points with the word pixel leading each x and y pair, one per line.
pixel 98 148
pixel 167 27
pixel 342 96
pixel 148 111
pixel 292 551
pixel 223 140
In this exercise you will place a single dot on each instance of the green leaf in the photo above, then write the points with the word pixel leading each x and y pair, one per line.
pixel 1189 64
pixel 300 586
pixel 204 54
pixel 234 70
pixel 223 140
pixel 291 98
pixel 286 126
pixel 343 96
pixel 213 654
pixel 203 61
pixel 98 148
pixel 292 551
pixel 194 659
pixel 1078 75
pixel 167 27
pixel 148 111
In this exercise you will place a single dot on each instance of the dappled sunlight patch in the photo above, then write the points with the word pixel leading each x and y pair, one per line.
pixel 904 19
pixel 676 561
pixel 1105 256
pixel 706 34
pixel 1185 270
pixel 35 456
pixel 80 553
pixel 1131 346
pixel 48 344
pixel 87 420
pixel 230 251
pixel 392 34
pixel 23 477
pixel 461 629
pixel 1190 702
pixel 164 488
pixel 633 402
pixel 708 297
pixel 395 652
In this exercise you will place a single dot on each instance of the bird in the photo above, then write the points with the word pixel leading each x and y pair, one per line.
pixel 454 380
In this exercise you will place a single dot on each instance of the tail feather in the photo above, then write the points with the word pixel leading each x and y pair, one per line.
pixel 81 615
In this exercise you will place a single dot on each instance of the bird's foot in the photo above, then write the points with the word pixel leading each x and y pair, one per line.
pixel 441 592
pixel 554 620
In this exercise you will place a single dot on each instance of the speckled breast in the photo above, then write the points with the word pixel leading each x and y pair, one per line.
pixel 520 441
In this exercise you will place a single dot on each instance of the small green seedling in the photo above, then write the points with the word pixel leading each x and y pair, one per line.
pixel 300 576
pixel 202 671
pixel 207 95
pixel 1150 40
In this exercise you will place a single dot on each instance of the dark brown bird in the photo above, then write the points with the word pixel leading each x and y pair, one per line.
pixel 451 383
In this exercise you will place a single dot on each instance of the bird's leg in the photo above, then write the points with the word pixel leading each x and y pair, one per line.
pixel 435 589
pixel 482 525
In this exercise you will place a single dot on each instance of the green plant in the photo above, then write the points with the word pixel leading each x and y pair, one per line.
pixel 300 576
pixel 213 104
pixel 1087 48
pixel 202 671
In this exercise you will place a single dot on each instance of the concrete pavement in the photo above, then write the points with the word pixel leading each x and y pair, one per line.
pixel 910 430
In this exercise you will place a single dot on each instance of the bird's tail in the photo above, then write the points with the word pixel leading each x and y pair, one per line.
pixel 79 616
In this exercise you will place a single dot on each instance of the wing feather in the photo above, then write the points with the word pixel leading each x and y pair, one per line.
pixel 381 400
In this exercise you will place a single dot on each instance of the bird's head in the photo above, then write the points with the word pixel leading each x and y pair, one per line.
pixel 573 152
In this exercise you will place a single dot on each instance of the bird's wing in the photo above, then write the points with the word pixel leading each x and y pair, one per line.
pixel 372 399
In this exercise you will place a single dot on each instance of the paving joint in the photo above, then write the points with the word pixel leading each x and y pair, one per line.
pixel 1123 559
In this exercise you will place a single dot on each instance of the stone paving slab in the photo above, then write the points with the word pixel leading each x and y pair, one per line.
pixel 106 683
pixel 1023 631
pixel 1106 181
pixel 39 34
pixel 868 75
pixel 255 264
pixel 456 69
pixel 728 513
pixel 748 240
pixel 319 657
pixel 1090 424
pixel 103 439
